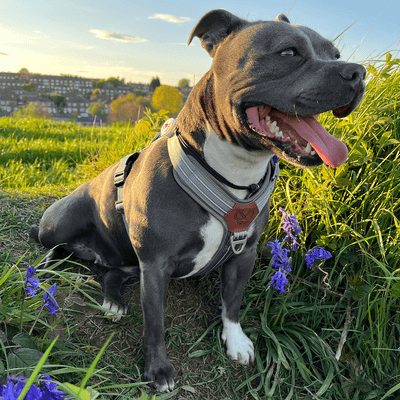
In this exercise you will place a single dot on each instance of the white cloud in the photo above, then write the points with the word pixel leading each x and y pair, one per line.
pixel 170 18
pixel 117 36
pixel 79 46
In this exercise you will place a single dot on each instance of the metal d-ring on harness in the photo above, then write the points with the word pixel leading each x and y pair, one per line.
pixel 204 185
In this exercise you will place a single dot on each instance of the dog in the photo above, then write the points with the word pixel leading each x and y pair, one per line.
pixel 268 82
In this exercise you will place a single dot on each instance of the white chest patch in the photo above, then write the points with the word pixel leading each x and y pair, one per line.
pixel 212 233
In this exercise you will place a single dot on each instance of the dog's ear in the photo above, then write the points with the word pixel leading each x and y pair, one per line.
pixel 282 18
pixel 215 26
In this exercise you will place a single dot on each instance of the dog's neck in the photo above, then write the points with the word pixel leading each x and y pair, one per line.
pixel 234 163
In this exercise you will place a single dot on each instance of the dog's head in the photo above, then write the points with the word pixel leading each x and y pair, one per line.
pixel 268 83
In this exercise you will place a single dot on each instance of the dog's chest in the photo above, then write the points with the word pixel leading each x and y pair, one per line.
pixel 212 235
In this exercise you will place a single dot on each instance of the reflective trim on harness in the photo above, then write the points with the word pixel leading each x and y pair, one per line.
pixel 235 214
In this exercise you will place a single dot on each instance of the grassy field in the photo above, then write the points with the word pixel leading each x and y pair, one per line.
pixel 334 335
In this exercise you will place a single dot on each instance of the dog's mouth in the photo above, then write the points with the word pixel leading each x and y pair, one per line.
pixel 300 140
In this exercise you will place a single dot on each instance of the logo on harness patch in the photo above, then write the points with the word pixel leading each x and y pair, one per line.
pixel 241 216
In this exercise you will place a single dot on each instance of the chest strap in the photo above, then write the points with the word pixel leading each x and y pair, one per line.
pixel 235 214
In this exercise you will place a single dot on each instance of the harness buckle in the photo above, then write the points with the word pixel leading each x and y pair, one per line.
pixel 119 206
pixel 238 241
pixel 119 178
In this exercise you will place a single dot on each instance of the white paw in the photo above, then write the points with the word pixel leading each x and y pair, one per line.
pixel 165 388
pixel 115 311
pixel 238 346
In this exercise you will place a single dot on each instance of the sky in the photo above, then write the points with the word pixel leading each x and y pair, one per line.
pixel 139 40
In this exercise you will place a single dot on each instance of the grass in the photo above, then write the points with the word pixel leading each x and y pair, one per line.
pixel 334 335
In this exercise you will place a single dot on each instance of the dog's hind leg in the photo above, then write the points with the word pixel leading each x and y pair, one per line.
pixel 34 233
pixel 112 285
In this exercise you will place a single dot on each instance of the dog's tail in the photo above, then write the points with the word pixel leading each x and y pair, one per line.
pixel 34 233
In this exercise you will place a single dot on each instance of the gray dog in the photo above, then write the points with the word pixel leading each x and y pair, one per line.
pixel 197 198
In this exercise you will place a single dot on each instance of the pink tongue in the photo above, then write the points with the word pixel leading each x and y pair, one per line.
pixel 331 150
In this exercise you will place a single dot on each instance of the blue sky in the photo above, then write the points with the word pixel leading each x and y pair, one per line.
pixel 137 40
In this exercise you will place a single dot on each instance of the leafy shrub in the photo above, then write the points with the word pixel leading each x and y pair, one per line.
pixel 167 98
pixel 29 87
pixel 125 109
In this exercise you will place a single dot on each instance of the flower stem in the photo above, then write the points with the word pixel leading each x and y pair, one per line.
pixel 36 320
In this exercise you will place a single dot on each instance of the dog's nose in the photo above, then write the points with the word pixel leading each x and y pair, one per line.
pixel 353 72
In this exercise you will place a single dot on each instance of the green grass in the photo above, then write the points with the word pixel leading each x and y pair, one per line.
pixel 352 304
pixel 40 156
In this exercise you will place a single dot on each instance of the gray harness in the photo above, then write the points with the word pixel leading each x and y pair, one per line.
pixel 236 215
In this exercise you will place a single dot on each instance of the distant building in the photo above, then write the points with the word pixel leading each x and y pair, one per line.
pixel 18 90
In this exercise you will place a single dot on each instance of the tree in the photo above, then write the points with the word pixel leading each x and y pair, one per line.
pixel 23 71
pixel 167 98
pixel 100 84
pixel 116 81
pixel 59 101
pixel 29 87
pixel 28 111
pixel 97 109
pixel 183 83
pixel 95 94
pixel 155 82
pixel 125 109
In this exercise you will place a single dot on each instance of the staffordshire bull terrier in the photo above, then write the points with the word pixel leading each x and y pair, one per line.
pixel 198 199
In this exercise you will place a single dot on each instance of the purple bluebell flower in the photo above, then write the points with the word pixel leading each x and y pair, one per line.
pixel 291 226
pixel 46 390
pixel 31 284
pixel 316 253
pixel 12 391
pixel 49 389
pixel 49 300
pixel 280 257
pixel 279 281
pixel 281 261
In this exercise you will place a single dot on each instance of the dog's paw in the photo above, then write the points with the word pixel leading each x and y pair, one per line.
pixel 238 346
pixel 116 312
pixel 161 375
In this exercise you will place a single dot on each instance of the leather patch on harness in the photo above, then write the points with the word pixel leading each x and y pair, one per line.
pixel 241 216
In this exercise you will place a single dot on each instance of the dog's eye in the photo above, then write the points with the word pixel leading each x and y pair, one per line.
pixel 288 53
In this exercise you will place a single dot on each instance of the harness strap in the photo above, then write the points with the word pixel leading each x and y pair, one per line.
pixel 120 175
pixel 188 149
pixel 235 214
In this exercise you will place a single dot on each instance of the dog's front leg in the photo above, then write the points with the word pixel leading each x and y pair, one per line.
pixel 157 367
pixel 234 276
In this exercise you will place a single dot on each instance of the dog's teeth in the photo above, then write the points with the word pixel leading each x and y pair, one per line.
pixel 308 148
pixel 313 153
